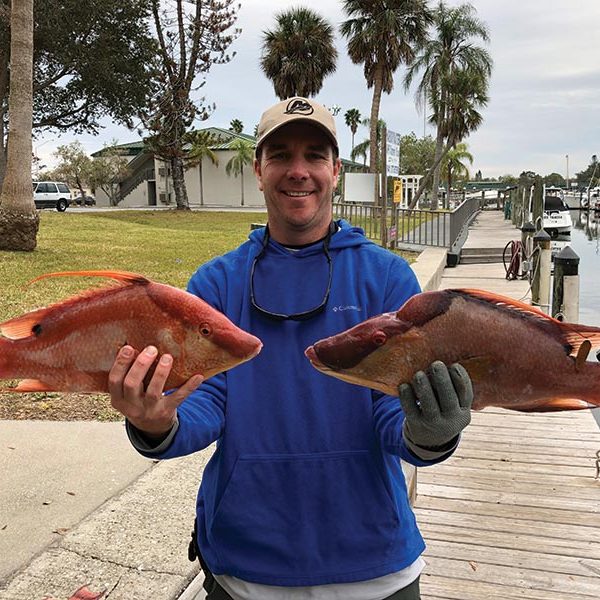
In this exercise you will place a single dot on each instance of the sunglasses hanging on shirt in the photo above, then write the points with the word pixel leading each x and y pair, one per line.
pixel 299 316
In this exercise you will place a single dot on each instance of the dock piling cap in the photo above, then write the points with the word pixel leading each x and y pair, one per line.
pixel 541 236
pixel 567 256
pixel 529 226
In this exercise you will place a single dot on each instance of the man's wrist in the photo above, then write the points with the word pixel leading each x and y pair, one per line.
pixel 150 443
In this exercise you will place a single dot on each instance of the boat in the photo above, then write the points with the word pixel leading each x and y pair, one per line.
pixel 557 217
pixel 594 199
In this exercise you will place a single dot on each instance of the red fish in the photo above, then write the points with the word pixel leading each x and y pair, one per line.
pixel 517 357
pixel 83 593
pixel 71 346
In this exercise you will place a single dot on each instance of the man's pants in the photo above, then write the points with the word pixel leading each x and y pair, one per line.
pixel 215 592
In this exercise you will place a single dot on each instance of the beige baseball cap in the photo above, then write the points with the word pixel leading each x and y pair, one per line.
pixel 296 109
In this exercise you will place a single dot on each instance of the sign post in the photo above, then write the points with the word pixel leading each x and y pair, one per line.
pixel 392 169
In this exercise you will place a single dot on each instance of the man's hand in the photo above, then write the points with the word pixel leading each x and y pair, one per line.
pixel 148 410
pixel 437 406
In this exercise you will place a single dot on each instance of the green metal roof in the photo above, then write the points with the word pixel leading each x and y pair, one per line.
pixel 138 147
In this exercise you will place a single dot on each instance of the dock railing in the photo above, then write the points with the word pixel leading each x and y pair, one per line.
pixel 411 229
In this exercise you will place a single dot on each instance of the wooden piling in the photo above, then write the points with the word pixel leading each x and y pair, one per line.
pixel 542 265
pixel 565 296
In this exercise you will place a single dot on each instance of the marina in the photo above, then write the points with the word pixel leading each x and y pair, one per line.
pixel 515 512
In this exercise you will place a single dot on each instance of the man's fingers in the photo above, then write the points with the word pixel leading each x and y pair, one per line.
pixel 181 393
pixel 408 400
pixel 159 378
pixel 425 395
pixel 462 384
pixel 443 386
pixel 133 384
pixel 116 375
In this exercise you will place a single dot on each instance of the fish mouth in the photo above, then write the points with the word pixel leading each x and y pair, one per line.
pixel 318 364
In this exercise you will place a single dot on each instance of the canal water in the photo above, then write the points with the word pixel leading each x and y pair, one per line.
pixel 585 241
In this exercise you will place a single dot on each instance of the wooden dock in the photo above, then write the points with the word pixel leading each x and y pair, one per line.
pixel 515 513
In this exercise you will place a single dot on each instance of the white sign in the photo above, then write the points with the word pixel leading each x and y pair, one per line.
pixel 392 143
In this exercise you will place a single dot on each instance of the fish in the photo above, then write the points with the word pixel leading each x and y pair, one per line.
pixel 518 358
pixel 70 346
pixel 83 593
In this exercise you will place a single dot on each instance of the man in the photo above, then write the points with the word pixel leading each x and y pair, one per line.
pixel 304 496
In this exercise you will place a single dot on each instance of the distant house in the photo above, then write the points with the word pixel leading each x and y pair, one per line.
pixel 149 182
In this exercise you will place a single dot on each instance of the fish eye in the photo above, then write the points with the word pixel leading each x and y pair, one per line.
pixel 379 338
pixel 205 329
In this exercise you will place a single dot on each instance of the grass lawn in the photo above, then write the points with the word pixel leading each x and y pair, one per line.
pixel 166 246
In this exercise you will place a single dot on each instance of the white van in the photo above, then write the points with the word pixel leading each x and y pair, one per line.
pixel 51 194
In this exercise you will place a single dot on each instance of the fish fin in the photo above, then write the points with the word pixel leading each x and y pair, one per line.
pixel 505 302
pixel 555 405
pixel 124 277
pixel 576 335
pixel 571 335
pixel 31 385
pixel 582 354
pixel 23 326
pixel 478 367
pixel 27 324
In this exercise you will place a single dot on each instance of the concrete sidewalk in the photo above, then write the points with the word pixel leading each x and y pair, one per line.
pixel 78 506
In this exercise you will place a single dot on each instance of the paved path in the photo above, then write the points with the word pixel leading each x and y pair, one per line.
pixel 488 230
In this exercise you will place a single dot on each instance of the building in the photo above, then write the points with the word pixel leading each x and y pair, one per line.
pixel 149 181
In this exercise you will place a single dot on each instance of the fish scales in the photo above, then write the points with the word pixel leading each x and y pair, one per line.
pixel 71 346
pixel 517 357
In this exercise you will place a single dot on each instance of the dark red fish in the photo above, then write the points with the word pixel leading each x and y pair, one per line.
pixel 71 346
pixel 517 357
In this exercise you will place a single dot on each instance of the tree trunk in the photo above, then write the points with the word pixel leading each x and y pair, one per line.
pixel 2 154
pixel 201 186
pixel 242 176
pixel 425 181
pixel 3 96
pixel 19 221
pixel 373 148
pixel 439 148
pixel 177 172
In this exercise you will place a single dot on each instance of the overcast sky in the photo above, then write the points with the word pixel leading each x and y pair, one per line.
pixel 544 93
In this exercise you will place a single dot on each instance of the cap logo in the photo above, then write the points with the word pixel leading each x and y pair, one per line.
pixel 299 107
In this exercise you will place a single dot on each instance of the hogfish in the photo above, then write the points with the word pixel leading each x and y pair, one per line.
pixel 71 346
pixel 517 357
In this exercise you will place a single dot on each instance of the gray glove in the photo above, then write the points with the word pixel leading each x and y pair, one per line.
pixel 437 406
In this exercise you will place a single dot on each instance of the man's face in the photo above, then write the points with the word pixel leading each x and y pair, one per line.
pixel 297 173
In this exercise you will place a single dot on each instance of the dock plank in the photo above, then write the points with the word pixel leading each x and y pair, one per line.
pixel 514 514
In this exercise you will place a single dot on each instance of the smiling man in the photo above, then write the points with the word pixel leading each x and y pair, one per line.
pixel 304 497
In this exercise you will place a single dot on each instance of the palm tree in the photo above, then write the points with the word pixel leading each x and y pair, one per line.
pixel 19 221
pixel 454 165
pixel 236 126
pixel 467 93
pixel 244 154
pixel 382 34
pixel 353 119
pixel 201 148
pixel 299 53
pixel 452 48
pixel 361 150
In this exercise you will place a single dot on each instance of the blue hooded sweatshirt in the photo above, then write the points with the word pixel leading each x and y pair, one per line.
pixel 305 486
